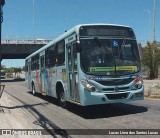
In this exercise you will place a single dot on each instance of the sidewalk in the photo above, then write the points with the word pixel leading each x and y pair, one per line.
pixel 14 116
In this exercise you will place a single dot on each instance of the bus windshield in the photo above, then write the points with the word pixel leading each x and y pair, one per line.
pixel 100 56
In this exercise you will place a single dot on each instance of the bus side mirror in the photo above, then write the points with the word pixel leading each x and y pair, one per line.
pixel 78 48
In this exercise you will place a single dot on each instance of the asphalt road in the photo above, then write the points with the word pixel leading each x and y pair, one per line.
pixel 21 110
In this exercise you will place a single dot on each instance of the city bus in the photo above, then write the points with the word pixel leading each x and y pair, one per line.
pixel 89 64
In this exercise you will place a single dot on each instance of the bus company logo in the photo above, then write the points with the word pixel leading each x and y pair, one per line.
pixel 6 132
pixel 116 89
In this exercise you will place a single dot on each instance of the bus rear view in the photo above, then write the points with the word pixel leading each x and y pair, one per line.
pixel 110 65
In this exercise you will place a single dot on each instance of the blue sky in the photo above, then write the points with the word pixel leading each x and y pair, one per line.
pixel 52 17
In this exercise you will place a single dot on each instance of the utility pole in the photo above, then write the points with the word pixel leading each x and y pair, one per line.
pixel 34 35
pixel 154 20
pixel 2 2
pixel 155 69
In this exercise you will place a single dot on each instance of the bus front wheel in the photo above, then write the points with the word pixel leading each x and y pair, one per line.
pixel 61 97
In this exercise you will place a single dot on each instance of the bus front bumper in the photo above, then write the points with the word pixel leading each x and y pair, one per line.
pixel 95 98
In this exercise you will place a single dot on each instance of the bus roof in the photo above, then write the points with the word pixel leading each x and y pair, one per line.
pixel 70 32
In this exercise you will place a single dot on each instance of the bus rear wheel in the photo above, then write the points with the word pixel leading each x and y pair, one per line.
pixel 33 89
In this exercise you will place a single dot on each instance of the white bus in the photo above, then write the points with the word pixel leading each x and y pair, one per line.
pixel 88 65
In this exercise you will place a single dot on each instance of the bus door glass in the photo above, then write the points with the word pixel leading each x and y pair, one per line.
pixel 42 71
pixel 73 73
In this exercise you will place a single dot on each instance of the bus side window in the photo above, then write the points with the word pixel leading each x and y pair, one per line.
pixel 75 55
pixel 32 63
pixel 37 62
pixel 50 54
pixel 26 66
pixel 60 53
pixel 47 64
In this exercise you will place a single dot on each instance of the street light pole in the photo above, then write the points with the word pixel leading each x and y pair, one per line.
pixel 34 35
pixel 154 38
pixel 154 21
pixel 2 2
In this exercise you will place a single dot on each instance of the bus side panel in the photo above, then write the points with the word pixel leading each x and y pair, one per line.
pixel 51 77
pixel 49 82
pixel 36 81
pixel 59 75
pixel 26 80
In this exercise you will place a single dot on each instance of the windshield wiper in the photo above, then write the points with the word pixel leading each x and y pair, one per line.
pixel 120 51
pixel 133 54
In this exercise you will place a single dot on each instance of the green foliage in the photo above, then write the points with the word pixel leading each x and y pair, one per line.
pixel 23 68
pixel 3 67
pixel 9 72
pixel 151 59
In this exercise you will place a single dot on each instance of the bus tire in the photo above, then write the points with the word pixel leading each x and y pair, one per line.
pixel 61 96
pixel 33 89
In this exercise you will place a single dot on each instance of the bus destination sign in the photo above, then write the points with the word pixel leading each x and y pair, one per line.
pixel 106 31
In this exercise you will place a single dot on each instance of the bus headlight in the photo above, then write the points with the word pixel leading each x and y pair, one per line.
pixel 138 85
pixel 90 87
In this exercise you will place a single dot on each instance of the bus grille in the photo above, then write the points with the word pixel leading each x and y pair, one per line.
pixel 116 82
pixel 117 96
pixel 113 89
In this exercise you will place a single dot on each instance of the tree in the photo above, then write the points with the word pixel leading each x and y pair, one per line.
pixel 17 71
pixel 23 68
pixel 151 58
pixel 3 67
pixel 10 72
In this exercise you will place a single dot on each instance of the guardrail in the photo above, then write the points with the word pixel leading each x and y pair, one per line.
pixel 25 41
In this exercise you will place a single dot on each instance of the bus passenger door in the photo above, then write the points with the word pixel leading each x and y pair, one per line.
pixel 73 73
pixel 42 72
